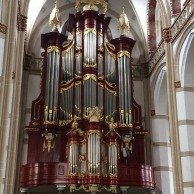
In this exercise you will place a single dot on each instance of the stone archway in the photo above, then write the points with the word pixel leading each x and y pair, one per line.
pixel 161 147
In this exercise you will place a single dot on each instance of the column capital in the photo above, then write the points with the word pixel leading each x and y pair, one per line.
pixel 22 22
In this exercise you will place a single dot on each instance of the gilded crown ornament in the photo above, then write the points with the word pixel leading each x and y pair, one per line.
pixel 55 18
pixel 124 23
pixel 91 4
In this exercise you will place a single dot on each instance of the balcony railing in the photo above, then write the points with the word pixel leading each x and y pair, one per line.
pixel 181 22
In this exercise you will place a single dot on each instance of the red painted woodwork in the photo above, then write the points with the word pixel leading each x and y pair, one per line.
pixel 51 167
pixel 57 173
pixel 136 175
pixel 44 173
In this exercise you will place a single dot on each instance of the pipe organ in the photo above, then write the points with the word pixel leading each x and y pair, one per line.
pixel 91 123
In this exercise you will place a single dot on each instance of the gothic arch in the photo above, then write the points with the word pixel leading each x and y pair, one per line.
pixel 153 79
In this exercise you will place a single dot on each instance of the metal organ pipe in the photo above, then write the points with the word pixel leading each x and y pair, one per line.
pixel 129 83
pixel 73 158
pixel 126 90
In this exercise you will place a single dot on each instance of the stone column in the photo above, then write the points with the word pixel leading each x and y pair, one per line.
pixel 10 93
pixel 174 135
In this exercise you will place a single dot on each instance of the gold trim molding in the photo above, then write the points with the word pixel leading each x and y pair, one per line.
pixel 3 28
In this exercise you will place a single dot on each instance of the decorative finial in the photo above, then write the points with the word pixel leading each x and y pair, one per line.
pixel 55 18
pixel 91 5
pixel 124 23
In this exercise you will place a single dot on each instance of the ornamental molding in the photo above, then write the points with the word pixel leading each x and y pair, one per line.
pixel 171 34
pixel 167 35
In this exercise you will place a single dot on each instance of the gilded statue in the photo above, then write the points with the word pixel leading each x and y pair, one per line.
pixel 55 18
pixel 91 4
pixel 49 142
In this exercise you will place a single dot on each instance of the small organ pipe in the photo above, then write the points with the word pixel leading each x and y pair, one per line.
pixel 126 91
pixel 129 84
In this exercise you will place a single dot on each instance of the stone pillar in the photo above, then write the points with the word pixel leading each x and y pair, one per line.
pixel 10 93
pixel 174 135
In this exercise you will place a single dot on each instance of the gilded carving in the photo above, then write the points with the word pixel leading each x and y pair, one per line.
pixel 55 18
pixel 109 51
pixel 3 28
pixel 88 30
pixel 32 129
pixel 112 127
pixel 49 142
pixel 167 35
pixel 124 23
pixel 74 127
pixel 127 144
pixel 91 4
pixel 88 76
pixel 69 45
pixel 53 48
pixel 123 53
pixel 93 114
